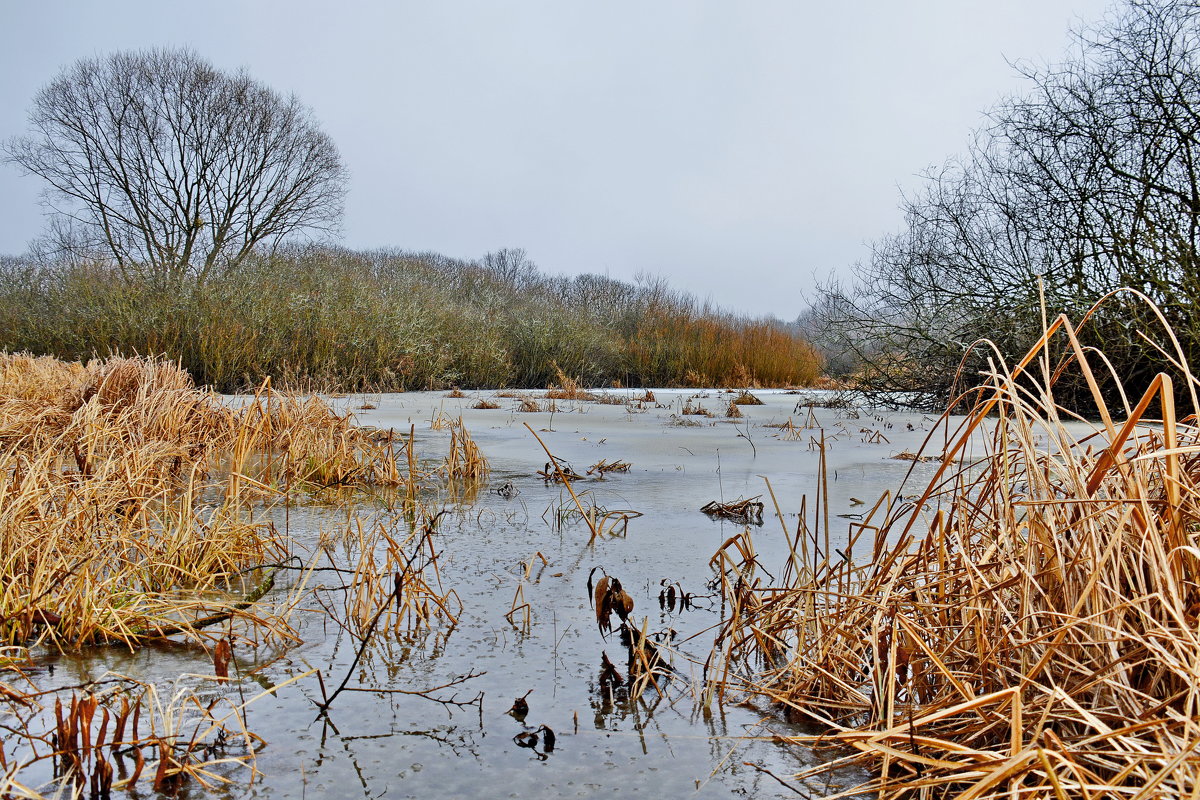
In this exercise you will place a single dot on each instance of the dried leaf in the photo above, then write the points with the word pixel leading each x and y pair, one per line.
pixel 222 655
pixel 603 604
pixel 620 601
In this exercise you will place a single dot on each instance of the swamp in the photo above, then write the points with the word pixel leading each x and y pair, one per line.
pixel 283 517
pixel 560 592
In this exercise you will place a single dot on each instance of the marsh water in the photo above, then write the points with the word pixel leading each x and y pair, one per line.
pixel 375 742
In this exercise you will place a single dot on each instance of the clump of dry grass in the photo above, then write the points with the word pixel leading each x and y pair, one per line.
pixel 565 387
pixel 606 399
pixel 1028 628
pixel 746 398
pixel 125 494
pixel 748 511
pixel 465 461
pixel 485 404
pixel 603 467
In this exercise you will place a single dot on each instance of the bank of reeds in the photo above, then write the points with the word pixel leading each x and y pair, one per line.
pixel 1030 627
pixel 387 321
pixel 127 495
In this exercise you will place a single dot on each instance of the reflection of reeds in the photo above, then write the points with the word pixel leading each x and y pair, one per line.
pixel 396 574
pixel 520 607
pixel 1026 628
pixel 122 731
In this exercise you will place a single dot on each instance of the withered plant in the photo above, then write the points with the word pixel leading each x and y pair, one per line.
pixel 1027 627
pixel 131 502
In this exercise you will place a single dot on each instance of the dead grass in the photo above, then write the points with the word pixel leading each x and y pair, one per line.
pixel 1027 628
pixel 745 398
pixel 747 511
pixel 606 399
pixel 565 387
pixel 465 462
pixel 128 496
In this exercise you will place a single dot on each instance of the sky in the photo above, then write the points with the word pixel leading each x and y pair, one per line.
pixel 744 150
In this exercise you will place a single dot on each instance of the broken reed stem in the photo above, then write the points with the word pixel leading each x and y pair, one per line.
pixel 558 469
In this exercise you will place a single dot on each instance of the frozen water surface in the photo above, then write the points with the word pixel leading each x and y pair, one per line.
pixel 663 745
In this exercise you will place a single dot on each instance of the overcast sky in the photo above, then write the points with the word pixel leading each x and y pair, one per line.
pixel 741 149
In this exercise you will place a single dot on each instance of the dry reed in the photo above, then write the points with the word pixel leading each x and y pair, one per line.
pixel 565 387
pixel 465 462
pixel 1027 628
pixel 125 494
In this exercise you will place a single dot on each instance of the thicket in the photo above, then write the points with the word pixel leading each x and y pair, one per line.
pixel 323 317
pixel 1087 183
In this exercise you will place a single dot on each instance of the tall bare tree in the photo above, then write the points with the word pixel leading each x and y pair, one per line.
pixel 174 168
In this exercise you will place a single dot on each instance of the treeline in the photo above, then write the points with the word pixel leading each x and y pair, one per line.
pixel 330 318
pixel 1087 183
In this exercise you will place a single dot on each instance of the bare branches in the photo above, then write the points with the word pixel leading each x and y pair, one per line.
pixel 1087 182
pixel 175 169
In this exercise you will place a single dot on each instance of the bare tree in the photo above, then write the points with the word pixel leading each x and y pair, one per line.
pixel 1088 182
pixel 175 168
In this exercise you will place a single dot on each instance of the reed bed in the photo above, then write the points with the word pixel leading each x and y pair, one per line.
pixel 128 496
pixel 319 318
pixel 1028 628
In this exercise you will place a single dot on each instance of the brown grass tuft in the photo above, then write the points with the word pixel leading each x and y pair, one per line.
pixel 745 398
pixel 127 496
pixel 565 387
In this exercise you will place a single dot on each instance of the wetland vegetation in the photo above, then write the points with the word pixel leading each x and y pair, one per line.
pixel 572 590
pixel 390 321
